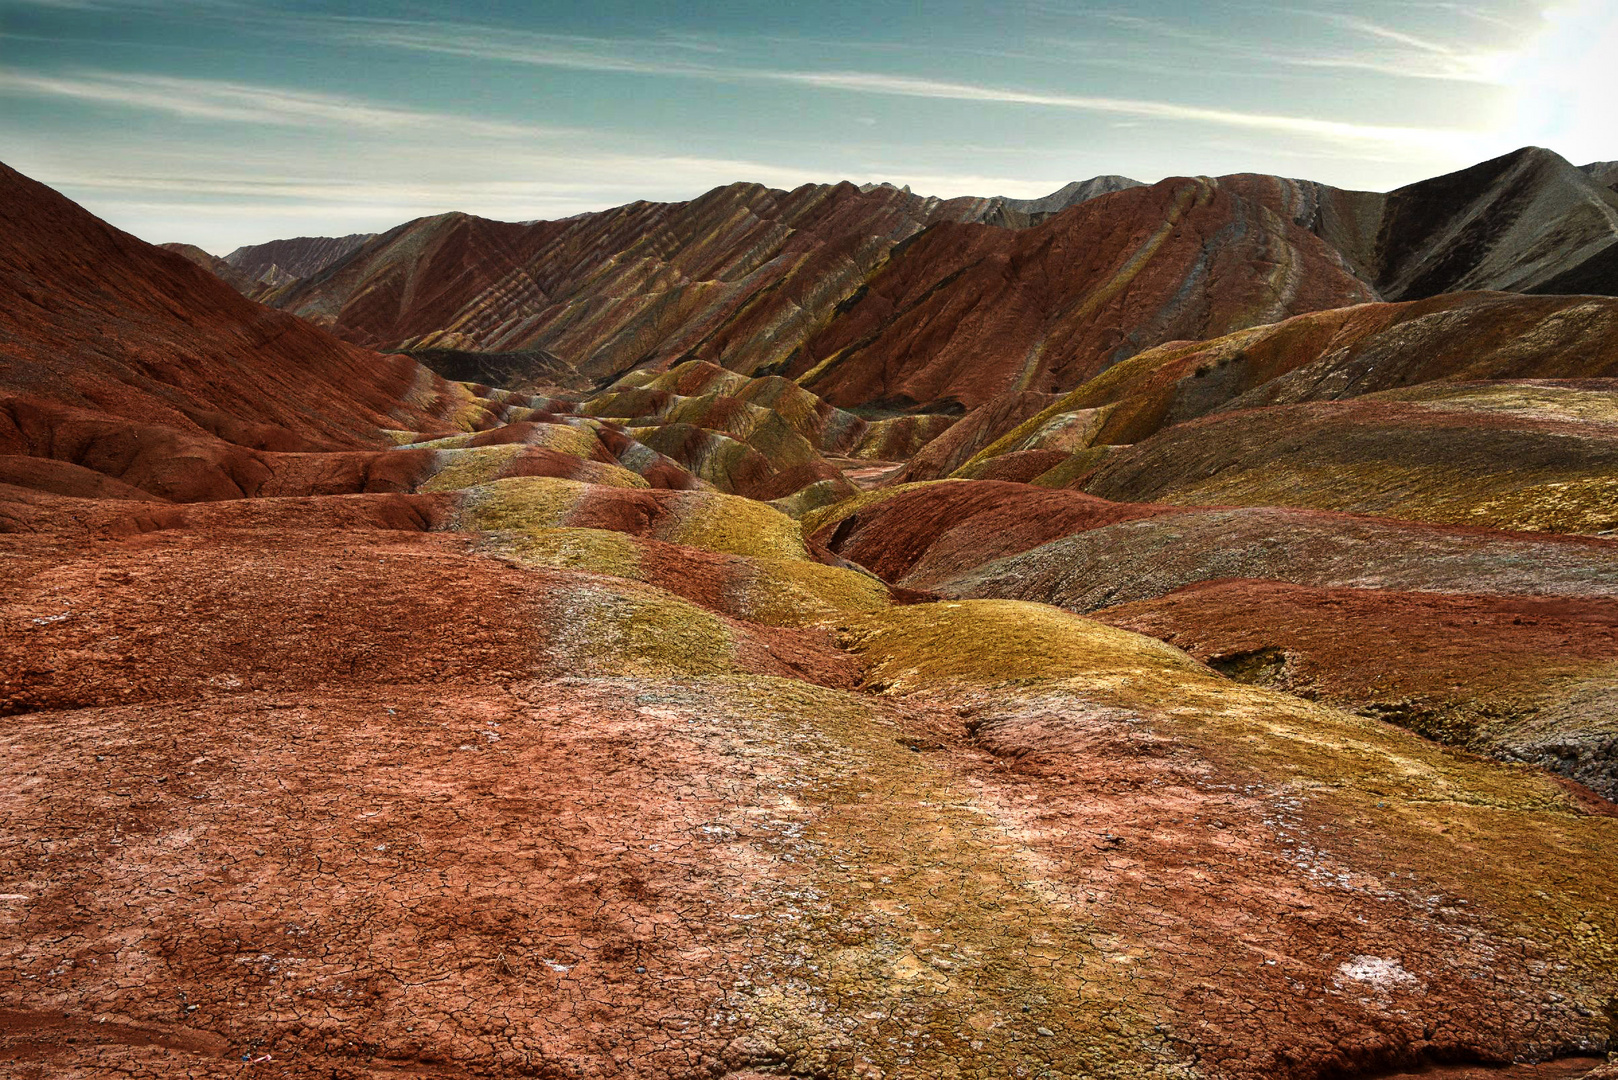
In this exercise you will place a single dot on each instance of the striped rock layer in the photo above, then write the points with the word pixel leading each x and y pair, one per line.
pixel 876 295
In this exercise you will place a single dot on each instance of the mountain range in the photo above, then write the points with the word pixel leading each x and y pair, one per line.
pixel 1155 631
pixel 880 297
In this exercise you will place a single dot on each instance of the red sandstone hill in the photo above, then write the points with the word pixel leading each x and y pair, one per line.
pixel 743 275
pixel 877 294
pixel 99 321
pixel 729 276
pixel 607 291
pixel 967 312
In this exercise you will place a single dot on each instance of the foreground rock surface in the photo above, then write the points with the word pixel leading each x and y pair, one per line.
pixel 415 847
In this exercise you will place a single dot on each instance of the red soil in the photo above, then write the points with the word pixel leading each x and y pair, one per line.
pixel 1519 676
pixel 99 320
pixel 269 609
pixel 937 531
pixel 1397 641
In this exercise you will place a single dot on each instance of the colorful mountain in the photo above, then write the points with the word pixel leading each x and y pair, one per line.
pixel 703 720
pixel 878 296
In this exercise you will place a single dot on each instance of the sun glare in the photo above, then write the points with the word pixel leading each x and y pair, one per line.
pixel 1560 78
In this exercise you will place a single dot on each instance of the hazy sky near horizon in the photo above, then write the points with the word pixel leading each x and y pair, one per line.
pixel 224 122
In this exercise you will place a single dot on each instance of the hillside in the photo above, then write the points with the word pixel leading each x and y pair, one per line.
pixel 876 296
pixel 1216 683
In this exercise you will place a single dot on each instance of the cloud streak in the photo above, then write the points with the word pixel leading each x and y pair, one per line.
pixel 1417 57
pixel 559 52
pixel 229 102
pixel 1131 107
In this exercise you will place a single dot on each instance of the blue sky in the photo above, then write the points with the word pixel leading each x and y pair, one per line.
pixel 223 123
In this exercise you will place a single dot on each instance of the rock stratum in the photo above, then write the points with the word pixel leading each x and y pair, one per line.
pixel 877 296
pixel 1116 635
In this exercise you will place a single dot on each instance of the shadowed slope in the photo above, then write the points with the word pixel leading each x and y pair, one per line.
pixel 1527 222
pixel 98 320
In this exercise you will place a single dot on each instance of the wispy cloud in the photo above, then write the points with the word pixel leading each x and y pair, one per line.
pixel 1153 110
pixel 559 52
pixel 1387 33
pixel 209 99
pixel 1415 56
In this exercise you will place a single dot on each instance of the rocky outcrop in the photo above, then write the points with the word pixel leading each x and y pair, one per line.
pixel 282 261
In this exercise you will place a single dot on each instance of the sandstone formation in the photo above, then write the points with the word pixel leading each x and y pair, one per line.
pixel 700 721
pixel 966 312
pixel 1326 356
pixel 1521 456
pixel 720 277
pixel 875 295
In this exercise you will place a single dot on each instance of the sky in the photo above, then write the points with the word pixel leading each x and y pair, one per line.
pixel 229 122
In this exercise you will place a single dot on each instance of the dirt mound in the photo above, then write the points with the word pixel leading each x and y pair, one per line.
pixel 1145 559
pixel 923 533
pixel 1500 456
pixel 1523 678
